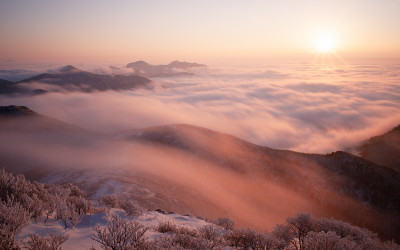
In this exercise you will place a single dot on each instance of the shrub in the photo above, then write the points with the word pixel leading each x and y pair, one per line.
pixel 7 239
pixel 306 232
pixel 187 231
pixel 245 238
pixel 226 223
pixel 13 217
pixel 109 200
pixel 166 227
pixel 187 242
pixel 67 213
pixel 209 232
pixel 46 243
pixel 120 234
pixel 130 207
pixel 213 236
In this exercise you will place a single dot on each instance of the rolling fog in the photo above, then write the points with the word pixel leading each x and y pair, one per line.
pixel 307 108
pixel 187 171
pixel 302 107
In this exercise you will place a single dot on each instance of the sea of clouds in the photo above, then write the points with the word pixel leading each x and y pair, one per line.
pixel 306 107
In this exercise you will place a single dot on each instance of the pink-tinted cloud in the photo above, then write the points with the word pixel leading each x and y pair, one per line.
pixel 308 108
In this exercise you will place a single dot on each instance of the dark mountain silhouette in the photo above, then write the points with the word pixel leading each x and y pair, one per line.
pixel 162 167
pixel 15 75
pixel 383 149
pixel 69 78
pixel 14 110
pixel 184 65
pixel 9 87
pixel 3 81
pixel 20 120
pixel 175 68
pixel 69 69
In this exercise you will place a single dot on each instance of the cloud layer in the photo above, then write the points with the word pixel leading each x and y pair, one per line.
pixel 302 107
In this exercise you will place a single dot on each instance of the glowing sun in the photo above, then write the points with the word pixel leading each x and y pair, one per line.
pixel 325 43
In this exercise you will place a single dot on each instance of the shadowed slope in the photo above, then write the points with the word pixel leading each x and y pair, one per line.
pixel 70 78
pixel 383 149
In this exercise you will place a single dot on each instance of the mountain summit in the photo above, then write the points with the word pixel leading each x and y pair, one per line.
pixel 68 69
pixel 14 110
pixel 184 65
pixel 175 68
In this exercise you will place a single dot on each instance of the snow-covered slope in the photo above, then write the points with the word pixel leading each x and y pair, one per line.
pixel 81 236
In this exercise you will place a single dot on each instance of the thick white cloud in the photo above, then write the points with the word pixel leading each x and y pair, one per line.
pixel 309 108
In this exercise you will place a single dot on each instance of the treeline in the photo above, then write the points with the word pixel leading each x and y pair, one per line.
pixel 24 202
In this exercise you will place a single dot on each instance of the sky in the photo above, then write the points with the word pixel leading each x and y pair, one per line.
pixel 270 80
pixel 207 31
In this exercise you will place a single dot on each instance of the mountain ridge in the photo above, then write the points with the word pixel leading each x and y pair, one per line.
pixel 174 68
pixel 383 149
pixel 70 78
pixel 144 162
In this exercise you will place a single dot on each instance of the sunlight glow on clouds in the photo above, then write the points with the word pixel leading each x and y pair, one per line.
pixel 303 107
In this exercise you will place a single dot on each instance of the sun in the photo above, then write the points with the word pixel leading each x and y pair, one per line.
pixel 325 43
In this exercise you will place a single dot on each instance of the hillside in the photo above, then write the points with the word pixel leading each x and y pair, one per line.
pixel 187 169
pixel 383 149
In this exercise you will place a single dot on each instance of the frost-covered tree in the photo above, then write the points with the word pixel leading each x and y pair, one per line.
pixel 120 234
pixel 306 232
pixel 67 213
pixel 300 225
pixel 327 241
pixel 226 223
pixel 109 200
pixel 249 239
pixel 68 203
pixel 51 242
pixel 130 207
pixel 284 234
pixel 344 229
pixel 13 217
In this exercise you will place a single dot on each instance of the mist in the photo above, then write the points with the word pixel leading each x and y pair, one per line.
pixel 197 172
pixel 302 107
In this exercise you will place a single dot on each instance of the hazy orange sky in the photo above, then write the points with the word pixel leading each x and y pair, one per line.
pixel 159 31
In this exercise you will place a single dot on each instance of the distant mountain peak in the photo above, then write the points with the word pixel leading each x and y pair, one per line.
pixel 179 64
pixel 14 110
pixel 68 69
pixel 138 64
